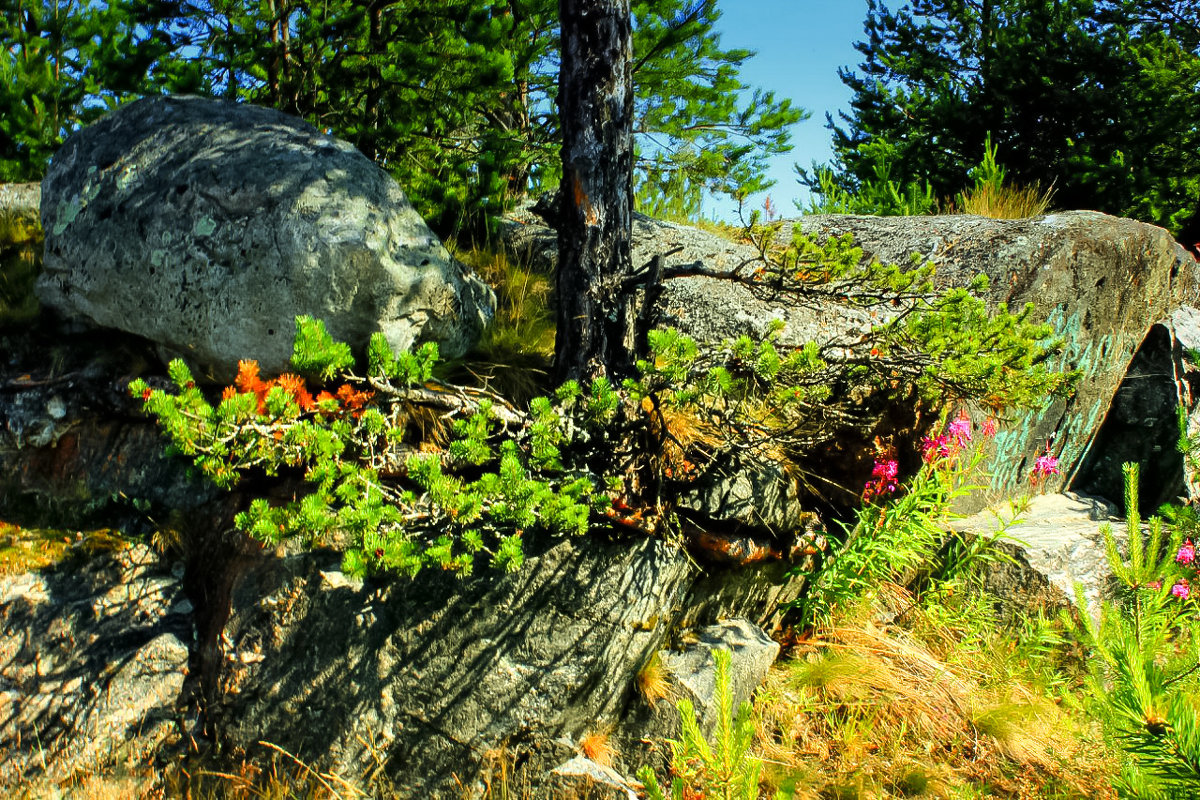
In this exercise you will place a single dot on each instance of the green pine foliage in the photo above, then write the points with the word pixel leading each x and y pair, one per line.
pixel 877 195
pixel 939 77
pixel 365 474
pixel 1143 681
pixel 762 398
pixel 723 770
pixel 448 509
pixel 456 98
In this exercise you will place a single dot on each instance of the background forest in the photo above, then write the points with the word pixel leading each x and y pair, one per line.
pixel 1097 99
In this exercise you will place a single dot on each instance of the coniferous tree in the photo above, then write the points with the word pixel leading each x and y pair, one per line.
pixel 62 65
pixel 454 97
pixel 1097 98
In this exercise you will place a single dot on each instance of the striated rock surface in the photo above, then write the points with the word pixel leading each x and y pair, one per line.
pixel 93 658
pixel 426 682
pixel 207 227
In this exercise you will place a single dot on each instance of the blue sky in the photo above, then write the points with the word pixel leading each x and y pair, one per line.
pixel 800 44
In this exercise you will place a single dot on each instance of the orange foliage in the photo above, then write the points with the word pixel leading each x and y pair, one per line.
pixel 351 399
pixel 248 381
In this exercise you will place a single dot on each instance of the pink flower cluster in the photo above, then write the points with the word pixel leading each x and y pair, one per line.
pixel 1043 467
pixel 883 478
pixel 1046 465
pixel 955 439
pixel 1182 587
pixel 1185 557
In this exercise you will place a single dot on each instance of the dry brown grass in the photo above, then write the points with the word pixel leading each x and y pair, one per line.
pixel 1005 202
pixel 598 746
pixel 652 683
pixel 514 356
pixel 869 711
pixel 25 549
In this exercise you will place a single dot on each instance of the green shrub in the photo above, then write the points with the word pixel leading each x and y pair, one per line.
pixel 371 478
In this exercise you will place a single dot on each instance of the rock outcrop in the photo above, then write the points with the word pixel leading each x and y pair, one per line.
pixel 428 682
pixel 1100 281
pixel 207 227
pixel 93 658
pixel 1142 424
pixel 1053 545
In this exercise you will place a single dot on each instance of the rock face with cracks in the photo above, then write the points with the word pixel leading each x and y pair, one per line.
pixel 208 226
pixel 432 683
pixel 93 658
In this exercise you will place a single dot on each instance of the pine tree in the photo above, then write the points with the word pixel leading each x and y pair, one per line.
pixel 1086 95
pixel 595 98
pixel 62 65
pixel 456 98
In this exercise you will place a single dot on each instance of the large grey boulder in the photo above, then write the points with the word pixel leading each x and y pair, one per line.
pixel 1100 281
pixel 208 226
pixel 1054 545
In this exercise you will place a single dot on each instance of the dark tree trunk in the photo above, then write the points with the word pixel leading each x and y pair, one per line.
pixel 596 317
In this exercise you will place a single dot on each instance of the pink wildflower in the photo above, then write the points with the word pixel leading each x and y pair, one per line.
pixel 889 468
pixel 1181 589
pixel 933 449
pixel 883 478
pixel 1045 465
pixel 960 430
pixel 1187 553
pixel 988 428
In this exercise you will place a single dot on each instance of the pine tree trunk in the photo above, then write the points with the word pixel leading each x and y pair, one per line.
pixel 596 318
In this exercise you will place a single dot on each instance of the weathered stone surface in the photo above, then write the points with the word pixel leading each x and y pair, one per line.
pixel 583 778
pixel 1102 282
pixel 689 673
pixel 693 668
pixel 422 681
pixel 75 452
pixel 1055 544
pixel 93 656
pixel 754 496
pixel 208 226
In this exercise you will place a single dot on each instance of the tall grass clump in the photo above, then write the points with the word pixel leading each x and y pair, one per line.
pixel 992 196
pixel 928 695
pixel 514 356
